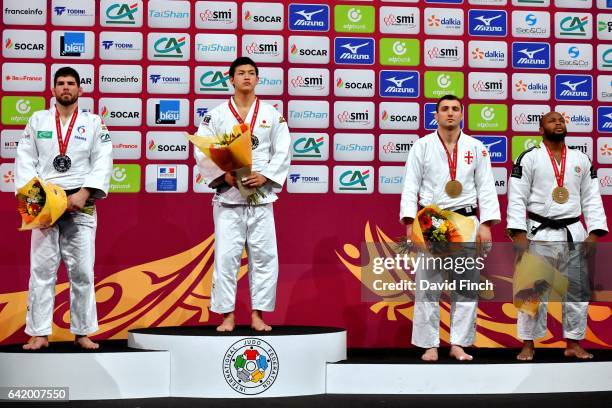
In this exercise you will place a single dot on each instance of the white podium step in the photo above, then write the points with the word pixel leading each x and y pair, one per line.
pixel 288 361
pixel 112 372
pixel 493 371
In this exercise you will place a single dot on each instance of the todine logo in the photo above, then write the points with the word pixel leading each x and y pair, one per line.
pixel 354 50
pixel 531 55
pixel 573 87
pixel 250 366
pixel 487 23
pixel 308 17
pixel 399 84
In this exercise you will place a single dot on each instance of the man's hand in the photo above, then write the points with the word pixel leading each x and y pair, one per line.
pixel 254 180
pixel 484 241
pixel 230 178
pixel 589 246
pixel 409 232
pixel 77 201
pixel 521 244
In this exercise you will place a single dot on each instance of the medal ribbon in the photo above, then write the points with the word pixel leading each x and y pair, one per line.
pixel 559 175
pixel 239 119
pixel 63 144
pixel 452 161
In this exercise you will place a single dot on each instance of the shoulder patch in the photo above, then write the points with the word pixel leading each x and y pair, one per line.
pixel 517 171
pixel 282 119
pixel 593 172
pixel 206 120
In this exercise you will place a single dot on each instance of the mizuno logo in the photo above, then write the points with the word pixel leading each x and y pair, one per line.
pixel 574 85
pixel 308 16
pixel 353 48
pixel 530 54
pixel 487 21
pixel 399 82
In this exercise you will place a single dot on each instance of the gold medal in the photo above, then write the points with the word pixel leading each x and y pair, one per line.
pixel 453 189
pixel 560 195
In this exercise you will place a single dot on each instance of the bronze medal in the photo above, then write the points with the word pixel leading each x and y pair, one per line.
pixel 560 195
pixel 453 189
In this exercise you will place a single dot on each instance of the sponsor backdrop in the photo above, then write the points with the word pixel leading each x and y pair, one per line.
pixel 357 82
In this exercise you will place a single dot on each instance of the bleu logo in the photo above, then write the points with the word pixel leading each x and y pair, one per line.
pixel 604 119
pixel 573 87
pixel 308 17
pixel 154 78
pixel 354 50
pixel 497 147
pixel 72 44
pixel 487 23
pixel 59 10
pixel 107 44
pixel 201 112
pixel 530 55
pixel 573 52
pixel 167 112
pixel 399 84
pixel 531 20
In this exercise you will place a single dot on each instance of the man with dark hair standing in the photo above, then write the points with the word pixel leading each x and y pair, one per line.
pixel 550 187
pixel 452 170
pixel 72 150
pixel 236 222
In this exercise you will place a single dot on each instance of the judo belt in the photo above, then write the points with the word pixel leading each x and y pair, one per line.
pixel 553 224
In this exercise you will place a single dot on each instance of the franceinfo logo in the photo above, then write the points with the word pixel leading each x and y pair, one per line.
pixel 263 48
pixel 490 23
pixel 573 56
pixel 124 46
pixel 531 24
pixel 399 20
pixel 309 17
pixel 24 44
pixel 216 15
pixel 168 14
pixel 354 82
pixel 308 81
pixel 263 16
pixel 117 13
pixel 443 53
pixel 309 49
pixel 18 12
pixel 216 47
pixel 531 55
pixel 488 54
pixel 442 21
pixel 120 78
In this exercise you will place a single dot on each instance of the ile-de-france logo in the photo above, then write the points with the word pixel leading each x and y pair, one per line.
pixel 250 366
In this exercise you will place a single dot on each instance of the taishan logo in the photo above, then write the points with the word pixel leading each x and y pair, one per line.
pixel 121 13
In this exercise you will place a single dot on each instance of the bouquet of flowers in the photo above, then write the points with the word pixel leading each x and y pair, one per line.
pixel 40 204
pixel 232 152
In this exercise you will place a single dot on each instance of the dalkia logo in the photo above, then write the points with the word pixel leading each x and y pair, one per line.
pixel 250 366
pixel 213 81
pixel 308 147
pixel 354 180
pixel 121 13
pixel 169 47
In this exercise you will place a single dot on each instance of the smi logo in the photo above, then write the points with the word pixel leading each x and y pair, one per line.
pixel 487 23
pixel 256 48
pixel 445 53
pixel 121 13
pixel 354 180
pixel 169 47
pixel 314 82
pixel 355 117
pixel 308 17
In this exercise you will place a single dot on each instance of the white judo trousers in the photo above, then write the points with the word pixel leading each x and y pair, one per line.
pixel 464 305
pixel 71 240
pixel 238 226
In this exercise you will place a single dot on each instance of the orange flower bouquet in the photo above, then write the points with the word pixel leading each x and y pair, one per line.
pixel 40 204
pixel 232 152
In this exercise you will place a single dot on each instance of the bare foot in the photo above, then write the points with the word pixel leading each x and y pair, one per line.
pixel 528 351
pixel 458 353
pixel 431 354
pixel 257 322
pixel 574 350
pixel 85 343
pixel 228 324
pixel 36 343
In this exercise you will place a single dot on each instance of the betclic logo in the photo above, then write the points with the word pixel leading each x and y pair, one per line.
pixel 263 16
pixel 24 44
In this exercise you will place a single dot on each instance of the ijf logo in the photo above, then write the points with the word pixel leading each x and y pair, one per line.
pixel 604 119
pixel 399 84
pixel 348 50
pixel 250 366
pixel 308 17
pixel 573 25
pixel 573 87
pixel 123 13
pixel 497 147
pixel 487 23
pixel 531 55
